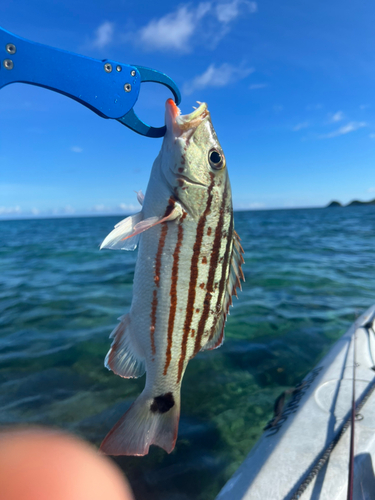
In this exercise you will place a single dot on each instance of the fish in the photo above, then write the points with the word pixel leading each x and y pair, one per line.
pixel 187 270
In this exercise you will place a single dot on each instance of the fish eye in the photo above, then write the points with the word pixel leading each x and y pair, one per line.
pixel 216 159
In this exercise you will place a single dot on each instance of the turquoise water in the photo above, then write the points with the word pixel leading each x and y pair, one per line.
pixel 309 273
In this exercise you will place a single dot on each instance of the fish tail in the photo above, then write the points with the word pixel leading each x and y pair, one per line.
pixel 149 420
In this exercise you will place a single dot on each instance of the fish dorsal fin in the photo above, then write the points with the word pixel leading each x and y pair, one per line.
pixel 236 274
pixel 216 337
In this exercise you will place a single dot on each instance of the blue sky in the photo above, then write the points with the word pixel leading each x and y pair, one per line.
pixel 290 86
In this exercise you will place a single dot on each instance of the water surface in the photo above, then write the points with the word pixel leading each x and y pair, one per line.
pixel 309 273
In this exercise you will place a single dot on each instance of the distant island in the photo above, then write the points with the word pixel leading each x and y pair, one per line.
pixel 354 203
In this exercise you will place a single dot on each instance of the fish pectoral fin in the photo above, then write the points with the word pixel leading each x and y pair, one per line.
pixel 146 224
pixel 125 235
pixel 122 358
pixel 118 238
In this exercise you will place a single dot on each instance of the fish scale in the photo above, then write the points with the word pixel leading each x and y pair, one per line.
pixel 188 266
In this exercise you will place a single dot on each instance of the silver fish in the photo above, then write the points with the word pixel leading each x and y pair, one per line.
pixel 188 268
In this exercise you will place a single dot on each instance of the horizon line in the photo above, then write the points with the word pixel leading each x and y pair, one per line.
pixel 127 214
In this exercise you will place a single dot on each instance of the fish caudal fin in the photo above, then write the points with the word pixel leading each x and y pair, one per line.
pixel 150 420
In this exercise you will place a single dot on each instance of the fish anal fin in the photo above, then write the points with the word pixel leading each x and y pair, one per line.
pixel 122 358
pixel 123 230
pixel 149 420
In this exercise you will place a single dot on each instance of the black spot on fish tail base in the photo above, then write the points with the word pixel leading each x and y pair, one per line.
pixel 163 403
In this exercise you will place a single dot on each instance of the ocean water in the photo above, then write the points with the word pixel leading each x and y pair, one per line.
pixel 309 273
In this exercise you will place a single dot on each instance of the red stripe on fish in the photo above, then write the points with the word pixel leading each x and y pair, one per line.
pixel 211 275
pixel 223 280
pixel 194 278
pixel 173 293
pixel 154 304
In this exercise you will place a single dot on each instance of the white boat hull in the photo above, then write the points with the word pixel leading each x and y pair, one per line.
pixel 305 454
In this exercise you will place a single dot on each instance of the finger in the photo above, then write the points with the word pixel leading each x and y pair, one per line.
pixel 43 465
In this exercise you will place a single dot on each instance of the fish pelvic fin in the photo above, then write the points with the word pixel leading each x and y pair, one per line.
pixel 150 420
pixel 122 358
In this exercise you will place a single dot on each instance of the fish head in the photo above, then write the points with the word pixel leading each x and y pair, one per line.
pixel 192 157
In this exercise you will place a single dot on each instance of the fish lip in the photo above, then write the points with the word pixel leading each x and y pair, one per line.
pixel 184 126
pixel 192 120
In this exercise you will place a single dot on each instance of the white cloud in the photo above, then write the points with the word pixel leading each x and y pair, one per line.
pixel 228 11
pixel 217 76
pixel 336 117
pixel 10 210
pixel 256 86
pixel 372 136
pixel 364 106
pixel 76 149
pixel 371 190
pixel 128 207
pixel 103 35
pixel 300 126
pixel 68 210
pixel 314 107
pixel 249 206
pixel 100 208
pixel 187 26
pixel 278 107
pixel 346 129
pixel 174 30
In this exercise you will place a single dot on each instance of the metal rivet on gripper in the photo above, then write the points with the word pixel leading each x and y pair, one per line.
pixel 127 87
pixel 108 67
pixel 10 48
pixel 133 72
pixel 8 64
pixel 118 68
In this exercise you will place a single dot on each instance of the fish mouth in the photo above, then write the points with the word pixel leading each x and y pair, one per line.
pixel 184 124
